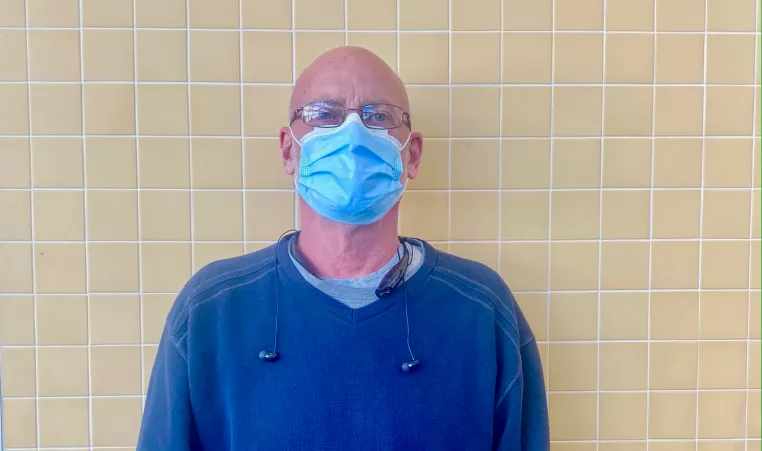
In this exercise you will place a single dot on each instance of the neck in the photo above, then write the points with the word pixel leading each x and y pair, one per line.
pixel 334 250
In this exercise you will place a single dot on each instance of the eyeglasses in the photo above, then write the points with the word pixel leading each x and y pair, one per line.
pixel 330 114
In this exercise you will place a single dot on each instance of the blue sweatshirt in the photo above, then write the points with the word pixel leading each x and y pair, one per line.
pixel 338 384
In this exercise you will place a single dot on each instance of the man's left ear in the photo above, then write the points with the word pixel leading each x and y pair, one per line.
pixel 415 151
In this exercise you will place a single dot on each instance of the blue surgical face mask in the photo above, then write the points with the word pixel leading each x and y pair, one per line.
pixel 350 173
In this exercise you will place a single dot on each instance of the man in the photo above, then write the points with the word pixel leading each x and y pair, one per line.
pixel 344 336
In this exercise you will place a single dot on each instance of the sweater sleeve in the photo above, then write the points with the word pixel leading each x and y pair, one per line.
pixel 168 418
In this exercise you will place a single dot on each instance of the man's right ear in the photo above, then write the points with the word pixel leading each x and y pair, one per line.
pixel 287 150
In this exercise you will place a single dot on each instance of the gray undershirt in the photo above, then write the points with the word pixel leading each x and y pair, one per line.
pixel 360 291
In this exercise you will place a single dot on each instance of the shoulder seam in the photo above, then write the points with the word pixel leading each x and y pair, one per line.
pixel 217 293
pixel 508 389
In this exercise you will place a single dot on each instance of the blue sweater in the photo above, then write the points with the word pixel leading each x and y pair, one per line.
pixel 338 384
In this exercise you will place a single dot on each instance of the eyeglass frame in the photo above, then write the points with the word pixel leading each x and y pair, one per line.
pixel 405 115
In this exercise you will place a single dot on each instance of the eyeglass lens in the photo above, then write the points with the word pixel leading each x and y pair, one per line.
pixel 326 114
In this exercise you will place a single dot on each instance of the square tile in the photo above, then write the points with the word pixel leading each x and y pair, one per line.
pixel 160 13
pixel 213 13
pixel 116 421
pixel 53 13
pixel 484 253
pixel 724 264
pixel 730 59
pixel 218 215
pixel 573 366
pixel 472 67
pixel 628 111
pixel 674 264
pixel 63 422
pixel 164 162
pixel 18 372
pixel 15 163
pixel 754 376
pixel 579 14
pixel 108 55
pixel 259 105
pixel 525 163
pixel 163 109
pixel 577 163
pixel 521 15
pixel 583 307
pixel 60 268
pixel 165 215
pixel 61 320
pixel 524 215
pixel 578 57
pixel 113 13
pixel 573 416
pixel 12 13
pixel 475 111
pixel 680 15
pixel 112 215
pixel 624 366
pixel 474 215
pixel 623 416
pixel 475 163
pixel 624 265
pixel 56 109
pixel 384 45
pixel 679 58
pixel 626 214
pixel 155 310
pixel 328 14
pixel 534 306
pixel 676 213
pixel 674 315
pixel 206 253
pixel 577 111
pixel 114 319
pixel 575 215
pixel 753 415
pixel 54 55
pixel 115 370
pixel 19 419
pixel 110 109
pixel 526 111
pixel 729 110
pixel 526 57
pixel 432 110
pixel 573 266
pixel 216 163
pixel 161 54
pixel 423 15
pixel 424 215
pixel 630 58
pixel 754 315
pixel 678 111
pixel 59 215
pixel 722 364
pixel 727 163
pixel 475 15
pixel 380 15
pixel 629 15
pixel 16 268
pixel 14 110
pixel 672 415
pixel 13 53
pixel 310 45
pixel 624 316
pixel 714 418
pixel 726 214
pixel 113 267
pixel 731 15
pixel 755 216
pixel 677 163
pixel 721 445
pixel 17 225
pixel 166 266
pixel 424 58
pixel 215 110
pixel 267 57
pixel 111 163
pixel 673 365
pixel 63 371
pixel 524 266
pixel 268 214
pixel 433 174
pixel 623 446
pixel 214 56
pixel 264 164
pixel 17 320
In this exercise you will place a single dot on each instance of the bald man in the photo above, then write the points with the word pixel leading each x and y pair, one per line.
pixel 344 335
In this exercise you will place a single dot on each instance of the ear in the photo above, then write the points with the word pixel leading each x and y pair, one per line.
pixel 288 150
pixel 415 151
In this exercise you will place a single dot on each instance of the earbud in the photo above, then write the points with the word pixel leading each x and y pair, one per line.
pixel 407 367
pixel 268 356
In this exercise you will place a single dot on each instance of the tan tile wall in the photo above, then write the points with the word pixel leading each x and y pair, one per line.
pixel 603 156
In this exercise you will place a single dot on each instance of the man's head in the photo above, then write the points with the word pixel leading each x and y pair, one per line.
pixel 352 77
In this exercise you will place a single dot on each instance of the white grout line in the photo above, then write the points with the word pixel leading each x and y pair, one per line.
pixel 449 122
pixel 600 234
pixel 242 124
pixel 500 149
pixel 137 182
pixel 454 138
pixel 550 181
pixel 190 131
pixel 419 85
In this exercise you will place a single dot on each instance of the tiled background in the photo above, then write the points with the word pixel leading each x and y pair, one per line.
pixel 602 156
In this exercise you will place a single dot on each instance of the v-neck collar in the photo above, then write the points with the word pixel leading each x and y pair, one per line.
pixel 295 281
